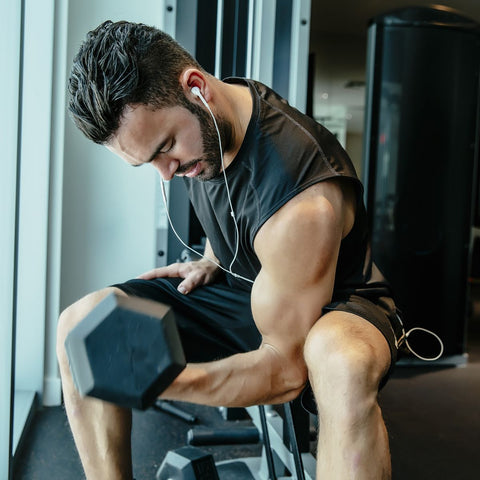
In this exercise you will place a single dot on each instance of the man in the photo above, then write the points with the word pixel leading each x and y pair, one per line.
pixel 293 298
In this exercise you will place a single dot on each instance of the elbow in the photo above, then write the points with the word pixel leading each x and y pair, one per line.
pixel 290 395
pixel 296 388
pixel 294 380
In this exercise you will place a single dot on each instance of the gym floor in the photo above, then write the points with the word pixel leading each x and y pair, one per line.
pixel 432 415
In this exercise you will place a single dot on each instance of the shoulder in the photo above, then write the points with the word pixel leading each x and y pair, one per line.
pixel 308 229
pixel 327 203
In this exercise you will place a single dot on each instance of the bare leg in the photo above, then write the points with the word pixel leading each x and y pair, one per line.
pixel 347 357
pixel 101 430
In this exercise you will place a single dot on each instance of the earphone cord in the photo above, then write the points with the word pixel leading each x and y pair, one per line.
pixel 164 197
pixel 404 338
pixel 232 213
pixel 400 341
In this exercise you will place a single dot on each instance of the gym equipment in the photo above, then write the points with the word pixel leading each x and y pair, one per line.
pixel 421 162
pixel 280 459
pixel 168 407
pixel 200 436
pixel 126 351
pixel 187 463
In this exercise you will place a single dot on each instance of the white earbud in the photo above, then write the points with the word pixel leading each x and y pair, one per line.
pixel 196 92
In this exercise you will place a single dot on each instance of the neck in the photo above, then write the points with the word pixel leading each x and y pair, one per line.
pixel 239 106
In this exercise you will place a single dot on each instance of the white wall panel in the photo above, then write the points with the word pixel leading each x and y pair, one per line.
pixel 10 34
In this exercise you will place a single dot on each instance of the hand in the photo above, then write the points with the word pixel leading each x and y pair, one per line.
pixel 194 274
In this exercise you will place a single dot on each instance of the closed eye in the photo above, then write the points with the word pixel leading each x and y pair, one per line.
pixel 172 144
pixel 160 149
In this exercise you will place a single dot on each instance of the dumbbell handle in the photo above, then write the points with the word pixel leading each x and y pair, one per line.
pixel 222 436
pixel 167 407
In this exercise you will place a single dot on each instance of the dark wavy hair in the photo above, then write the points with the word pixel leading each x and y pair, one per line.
pixel 119 64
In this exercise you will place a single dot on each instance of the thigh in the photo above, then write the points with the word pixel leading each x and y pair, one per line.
pixel 214 321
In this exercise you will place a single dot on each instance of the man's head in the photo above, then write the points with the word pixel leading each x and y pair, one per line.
pixel 120 64
pixel 127 91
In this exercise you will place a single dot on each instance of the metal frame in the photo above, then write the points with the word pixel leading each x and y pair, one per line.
pixel 262 51
pixel 258 466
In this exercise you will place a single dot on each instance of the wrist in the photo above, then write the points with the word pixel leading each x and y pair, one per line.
pixel 209 266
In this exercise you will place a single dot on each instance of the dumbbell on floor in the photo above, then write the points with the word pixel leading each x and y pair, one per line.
pixel 187 463
pixel 127 351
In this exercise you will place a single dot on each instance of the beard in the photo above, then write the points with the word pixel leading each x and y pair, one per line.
pixel 211 155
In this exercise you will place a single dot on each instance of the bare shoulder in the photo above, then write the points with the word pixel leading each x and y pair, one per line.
pixel 303 237
pixel 326 205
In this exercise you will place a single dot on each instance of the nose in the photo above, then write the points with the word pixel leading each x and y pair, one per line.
pixel 166 167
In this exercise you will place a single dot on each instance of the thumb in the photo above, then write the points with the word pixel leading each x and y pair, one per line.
pixel 191 281
pixel 183 288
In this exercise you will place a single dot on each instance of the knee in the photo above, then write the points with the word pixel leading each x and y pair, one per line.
pixel 340 362
pixel 73 315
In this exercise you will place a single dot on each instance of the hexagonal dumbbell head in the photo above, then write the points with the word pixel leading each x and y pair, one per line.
pixel 187 463
pixel 126 351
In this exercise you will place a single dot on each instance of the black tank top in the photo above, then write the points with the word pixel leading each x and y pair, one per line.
pixel 283 153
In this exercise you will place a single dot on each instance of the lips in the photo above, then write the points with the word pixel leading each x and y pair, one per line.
pixel 194 171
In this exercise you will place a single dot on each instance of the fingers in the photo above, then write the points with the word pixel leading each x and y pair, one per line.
pixel 192 279
pixel 161 272
pixel 194 274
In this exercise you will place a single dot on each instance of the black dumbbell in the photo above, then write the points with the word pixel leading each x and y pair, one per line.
pixel 187 463
pixel 127 350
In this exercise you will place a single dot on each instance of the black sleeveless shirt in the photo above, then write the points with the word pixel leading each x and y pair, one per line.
pixel 283 153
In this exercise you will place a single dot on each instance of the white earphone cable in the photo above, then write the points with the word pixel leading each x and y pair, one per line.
pixel 196 91
pixel 164 197
pixel 232 213
pixel 402 339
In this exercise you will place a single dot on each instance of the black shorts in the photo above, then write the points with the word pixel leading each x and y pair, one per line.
pixel 215 321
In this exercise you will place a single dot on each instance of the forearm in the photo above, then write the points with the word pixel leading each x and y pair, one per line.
pixel 257 377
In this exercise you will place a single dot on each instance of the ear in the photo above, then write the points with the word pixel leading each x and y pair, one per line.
pixel 192 77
